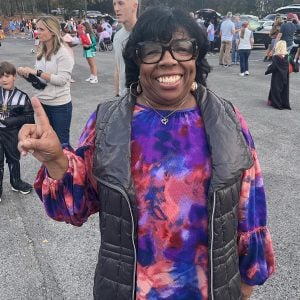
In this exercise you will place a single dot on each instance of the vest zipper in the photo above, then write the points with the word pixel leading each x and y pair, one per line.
pixel 115 187
pixel 211 248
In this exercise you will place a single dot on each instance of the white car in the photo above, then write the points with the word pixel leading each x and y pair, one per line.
pixel 94 14
pixel 266 24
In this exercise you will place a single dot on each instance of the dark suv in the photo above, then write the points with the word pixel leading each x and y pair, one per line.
pixel 261 36
pixel 207 14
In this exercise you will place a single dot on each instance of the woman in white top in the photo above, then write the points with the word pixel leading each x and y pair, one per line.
pixel 54 66
pixel 245 44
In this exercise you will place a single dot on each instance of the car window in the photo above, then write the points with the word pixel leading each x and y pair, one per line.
pixel 269 17
pixel 253 24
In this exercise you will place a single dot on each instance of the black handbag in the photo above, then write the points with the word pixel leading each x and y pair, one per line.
pixel 36 82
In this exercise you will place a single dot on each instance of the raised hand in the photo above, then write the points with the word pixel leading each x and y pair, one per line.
pixel 41 141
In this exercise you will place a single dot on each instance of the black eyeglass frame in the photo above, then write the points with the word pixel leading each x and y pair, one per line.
pixel 167 48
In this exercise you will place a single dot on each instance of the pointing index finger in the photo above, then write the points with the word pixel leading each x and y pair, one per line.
pixel 39 113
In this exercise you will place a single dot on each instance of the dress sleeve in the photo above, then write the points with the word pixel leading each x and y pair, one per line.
pixel 73 198
pixel 256 255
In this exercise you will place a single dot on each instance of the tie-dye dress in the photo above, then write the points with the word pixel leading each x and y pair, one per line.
pixel 171 170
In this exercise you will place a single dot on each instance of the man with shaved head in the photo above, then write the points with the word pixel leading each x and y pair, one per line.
pixel 126 13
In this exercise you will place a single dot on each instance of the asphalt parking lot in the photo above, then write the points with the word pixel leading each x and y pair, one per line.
pixel 44 259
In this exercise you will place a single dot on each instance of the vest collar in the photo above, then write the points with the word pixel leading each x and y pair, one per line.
pixel 229 151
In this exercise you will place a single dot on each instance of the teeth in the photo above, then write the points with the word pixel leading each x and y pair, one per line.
pixel 169 79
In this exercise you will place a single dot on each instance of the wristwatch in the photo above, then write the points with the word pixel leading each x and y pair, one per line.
pixel 39 73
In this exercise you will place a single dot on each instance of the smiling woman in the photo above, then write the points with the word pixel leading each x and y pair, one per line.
pixel 54 65
pixel 173 172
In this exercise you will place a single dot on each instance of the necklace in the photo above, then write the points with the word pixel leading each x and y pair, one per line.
pixel 164 119
pixel 5 100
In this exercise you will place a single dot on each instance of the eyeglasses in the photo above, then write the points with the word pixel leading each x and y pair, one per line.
pixel 151 52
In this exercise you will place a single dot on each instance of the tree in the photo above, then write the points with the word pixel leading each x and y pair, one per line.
pixel 256 7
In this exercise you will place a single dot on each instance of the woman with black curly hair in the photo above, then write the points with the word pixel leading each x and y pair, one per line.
pixel 172 170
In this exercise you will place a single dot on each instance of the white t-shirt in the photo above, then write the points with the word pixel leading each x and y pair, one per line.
pixel 245 43
pixel 107 27
pixel 211 32
pixel 104 35
pixel 120 40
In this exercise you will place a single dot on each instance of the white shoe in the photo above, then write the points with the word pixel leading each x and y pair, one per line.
pixel 88 79
pixel 247 73
pixel 242 74
pixel 94 80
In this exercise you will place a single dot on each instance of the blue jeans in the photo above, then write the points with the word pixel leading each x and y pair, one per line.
pixel 60 119
pixel 234 52
pixel 244 56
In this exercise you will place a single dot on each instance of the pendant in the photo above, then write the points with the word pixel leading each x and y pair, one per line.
pixel 4 108
pixel 164 121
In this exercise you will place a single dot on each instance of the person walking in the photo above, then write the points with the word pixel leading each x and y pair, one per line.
pixel 227 30
pixel 172 170
pixel 70 42
pixel 287 31
pixel 12 27
pixel 2 35
pixel 89 51
pixel 235 59
pixel 245 44
pixel 211 37
pixel 126 13
pixel 53 66
pixel 273 35
pixel 279 90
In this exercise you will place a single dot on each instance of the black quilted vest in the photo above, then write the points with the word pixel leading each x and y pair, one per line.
pixel 116 269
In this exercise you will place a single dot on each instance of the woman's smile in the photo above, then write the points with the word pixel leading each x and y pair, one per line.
pixel 169 79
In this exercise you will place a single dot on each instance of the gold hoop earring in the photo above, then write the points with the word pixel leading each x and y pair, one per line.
pixel 194 86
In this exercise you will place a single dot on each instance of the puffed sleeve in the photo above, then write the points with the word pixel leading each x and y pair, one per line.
pixel 256 255
pixel 73 198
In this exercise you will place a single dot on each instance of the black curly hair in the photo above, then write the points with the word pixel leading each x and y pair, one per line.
pixel 158 24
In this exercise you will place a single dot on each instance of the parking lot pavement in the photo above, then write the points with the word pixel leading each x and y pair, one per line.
pixel 43 259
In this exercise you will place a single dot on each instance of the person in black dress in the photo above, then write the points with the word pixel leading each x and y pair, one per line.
pixel 279 91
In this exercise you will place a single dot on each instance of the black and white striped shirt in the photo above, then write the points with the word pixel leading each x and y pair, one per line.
pixel 15 108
